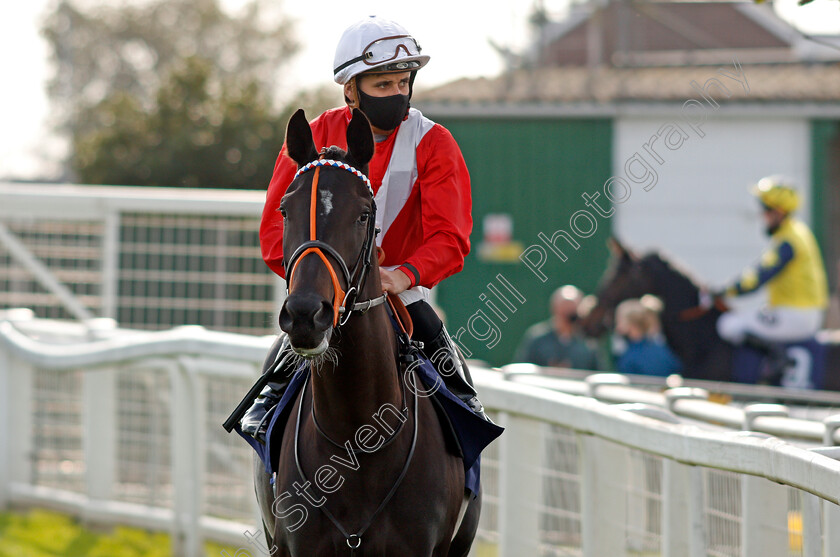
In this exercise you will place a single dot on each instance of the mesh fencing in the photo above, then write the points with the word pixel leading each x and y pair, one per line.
pixel 144 453
pixel 642 486
pixel 143 460
pixel 560 518
pixel 144 457
pixel 228 489
pixel 168 270
pixel 197 270
pixel 57 451
pixel 72 250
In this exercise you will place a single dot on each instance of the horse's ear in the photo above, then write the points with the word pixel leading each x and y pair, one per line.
pixel 618 249
pixel 615 246
pixel 360 144
pixel 299 142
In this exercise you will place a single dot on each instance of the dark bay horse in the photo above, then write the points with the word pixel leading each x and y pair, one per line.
pixel 362 466
pixel 689 330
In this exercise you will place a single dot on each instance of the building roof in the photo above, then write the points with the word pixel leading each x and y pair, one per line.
pixel 652 51
pixel 575 84
pixel 652 32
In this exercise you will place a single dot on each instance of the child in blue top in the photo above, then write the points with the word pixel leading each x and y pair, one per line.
pixel 646 351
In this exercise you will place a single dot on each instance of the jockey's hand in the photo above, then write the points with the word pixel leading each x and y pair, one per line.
pixel 394 282
pixel 707 299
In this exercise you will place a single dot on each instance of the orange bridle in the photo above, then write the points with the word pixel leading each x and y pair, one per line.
pixel 338 292
pixel 341 298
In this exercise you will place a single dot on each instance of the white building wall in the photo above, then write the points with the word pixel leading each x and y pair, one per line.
pixel 699 210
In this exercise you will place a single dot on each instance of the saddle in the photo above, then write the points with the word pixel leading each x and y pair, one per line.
pixel 465 433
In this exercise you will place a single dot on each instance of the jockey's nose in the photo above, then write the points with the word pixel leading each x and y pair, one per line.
pixel 305 317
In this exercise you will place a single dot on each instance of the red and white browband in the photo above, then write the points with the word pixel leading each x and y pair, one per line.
pixel 336 164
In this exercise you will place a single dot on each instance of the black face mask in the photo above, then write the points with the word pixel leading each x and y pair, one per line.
pixel 385 113
pixel 770 230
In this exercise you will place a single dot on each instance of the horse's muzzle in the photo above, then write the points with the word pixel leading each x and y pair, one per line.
pixel 308 319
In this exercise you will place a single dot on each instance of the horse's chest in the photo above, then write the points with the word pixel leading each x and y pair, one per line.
pixel 352 487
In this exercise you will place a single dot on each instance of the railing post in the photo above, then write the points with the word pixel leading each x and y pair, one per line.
pixel 811 534
pixel 6 437
pixel 831 512
pixel 683 523
pixel 110 264
pixel 603 499
pixel 764 503
pixel 188 423
pixel 831 527
pixel 520 485
pixel 17 417
pixel 99 423
pixel 764 507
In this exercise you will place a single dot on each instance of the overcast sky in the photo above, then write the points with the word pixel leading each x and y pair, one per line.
pixel 453 33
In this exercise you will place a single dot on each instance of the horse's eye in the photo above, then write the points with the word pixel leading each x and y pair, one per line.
pixel 363 218
pixel 283 213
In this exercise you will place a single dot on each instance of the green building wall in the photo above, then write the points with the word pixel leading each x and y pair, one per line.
pixel 825 193
pixel 534 171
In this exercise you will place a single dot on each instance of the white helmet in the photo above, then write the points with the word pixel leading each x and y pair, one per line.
pixel 377 44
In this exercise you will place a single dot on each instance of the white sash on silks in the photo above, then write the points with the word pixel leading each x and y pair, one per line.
pixel 397 183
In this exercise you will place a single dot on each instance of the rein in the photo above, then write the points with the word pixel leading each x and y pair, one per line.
pixel 344 302
pixel 696 312
pixel 354 541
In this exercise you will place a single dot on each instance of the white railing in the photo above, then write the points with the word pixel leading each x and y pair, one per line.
pixel 123 426
pixel 151 258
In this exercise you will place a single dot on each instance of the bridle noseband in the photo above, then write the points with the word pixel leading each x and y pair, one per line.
pixel 344 303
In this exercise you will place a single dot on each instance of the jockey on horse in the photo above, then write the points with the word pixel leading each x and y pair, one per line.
pixel 422 188
pixel 793 272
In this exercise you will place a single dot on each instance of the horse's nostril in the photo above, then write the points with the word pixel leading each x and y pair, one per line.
pixel 324 316
pixel 304 312
pixel 285 319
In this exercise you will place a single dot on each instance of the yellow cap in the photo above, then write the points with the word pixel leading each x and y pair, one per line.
pixel 777 192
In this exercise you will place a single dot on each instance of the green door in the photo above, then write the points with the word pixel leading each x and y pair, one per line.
pixel 528 177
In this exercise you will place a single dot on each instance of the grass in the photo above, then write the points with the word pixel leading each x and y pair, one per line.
pixel 39 533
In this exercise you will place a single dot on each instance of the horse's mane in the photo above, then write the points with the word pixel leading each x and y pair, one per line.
pixel 335 153
pixel 338 154
pixel 660 262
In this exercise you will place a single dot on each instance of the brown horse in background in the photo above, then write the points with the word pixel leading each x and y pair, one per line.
pixel 363 467
pixel 690 331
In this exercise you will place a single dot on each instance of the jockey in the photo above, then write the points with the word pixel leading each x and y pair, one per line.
pixel 791 269
pixel 422 192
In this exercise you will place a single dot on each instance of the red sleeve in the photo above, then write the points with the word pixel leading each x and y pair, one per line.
pixel 271 225
pixel 445 208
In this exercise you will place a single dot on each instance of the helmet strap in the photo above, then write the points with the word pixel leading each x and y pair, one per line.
pixel 411 84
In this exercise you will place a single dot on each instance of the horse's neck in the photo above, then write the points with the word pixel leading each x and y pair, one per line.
pixel 349 392
pixel 685 335
pixel 677 292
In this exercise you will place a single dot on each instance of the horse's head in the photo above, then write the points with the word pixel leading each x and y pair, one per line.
pixel 328 233
pixel 625 278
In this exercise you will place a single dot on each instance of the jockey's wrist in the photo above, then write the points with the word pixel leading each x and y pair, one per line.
pixel 411 272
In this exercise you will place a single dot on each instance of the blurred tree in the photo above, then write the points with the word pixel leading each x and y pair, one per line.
pixel 171 92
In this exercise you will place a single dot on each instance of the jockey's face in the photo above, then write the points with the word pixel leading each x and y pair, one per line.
pixel 772 219
pixel 380 84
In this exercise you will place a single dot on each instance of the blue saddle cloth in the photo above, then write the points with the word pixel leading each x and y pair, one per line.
pixel 472 432
pixel 748 364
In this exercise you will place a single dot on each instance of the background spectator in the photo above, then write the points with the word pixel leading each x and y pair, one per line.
pixel 637 324
pixel 558 342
